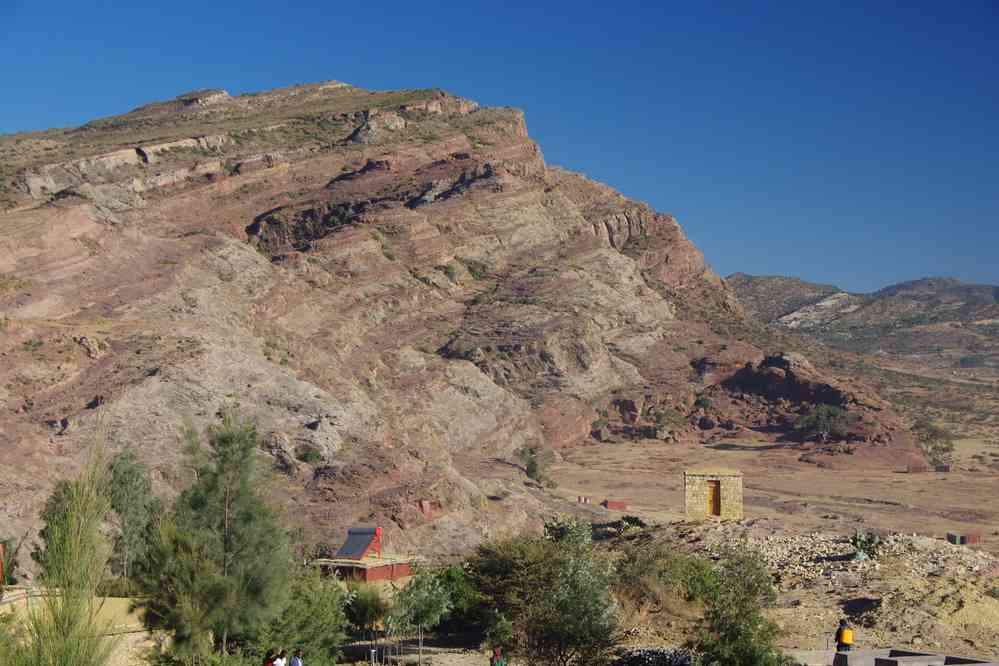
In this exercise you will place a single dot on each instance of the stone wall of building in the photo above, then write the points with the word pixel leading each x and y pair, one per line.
pixel 696 495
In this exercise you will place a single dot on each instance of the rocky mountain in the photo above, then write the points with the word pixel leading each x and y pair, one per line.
pixel 395 286
pixel 941 323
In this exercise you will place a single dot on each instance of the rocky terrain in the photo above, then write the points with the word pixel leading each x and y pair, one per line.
pixel 394 285
pixel 937 323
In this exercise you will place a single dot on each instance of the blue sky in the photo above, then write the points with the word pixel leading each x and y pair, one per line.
pixel 852 143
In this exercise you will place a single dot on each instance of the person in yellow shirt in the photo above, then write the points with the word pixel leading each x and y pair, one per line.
pixel 844 637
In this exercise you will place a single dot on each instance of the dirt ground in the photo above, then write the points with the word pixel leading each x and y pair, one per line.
pixel 855 495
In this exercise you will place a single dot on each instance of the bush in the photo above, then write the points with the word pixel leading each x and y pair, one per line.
pixel 645 573
pixel 825 422
pixel 867 545
pixel 547 596
pixel 536 461
pixel 936 443
pixel 734 630
pixel 366 608
pixel 65 630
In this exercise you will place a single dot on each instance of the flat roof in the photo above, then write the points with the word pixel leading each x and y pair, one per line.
pixel 366 563
pixel 712 471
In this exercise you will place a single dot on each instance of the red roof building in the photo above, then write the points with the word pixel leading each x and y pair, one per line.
pixel 361 558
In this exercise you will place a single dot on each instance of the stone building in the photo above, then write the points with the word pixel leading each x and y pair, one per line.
pixel 712 493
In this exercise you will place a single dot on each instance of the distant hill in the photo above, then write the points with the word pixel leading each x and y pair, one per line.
pixel 941 322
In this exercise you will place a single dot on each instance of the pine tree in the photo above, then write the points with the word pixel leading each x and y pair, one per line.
pixel 133 505
pixel 232 560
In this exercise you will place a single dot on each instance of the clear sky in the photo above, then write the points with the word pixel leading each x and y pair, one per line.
pixel 852 143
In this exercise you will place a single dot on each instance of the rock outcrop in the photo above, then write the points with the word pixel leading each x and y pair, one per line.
pixel 394 286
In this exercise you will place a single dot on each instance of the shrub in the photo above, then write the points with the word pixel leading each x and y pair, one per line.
pixel 936 443
pixel 536 461
pixel 366 608
pixel 702 402
pixel 734 630
pixel 547 596
pixel 65 630
pixel 825 422
pixel 452 272
pixel 867 545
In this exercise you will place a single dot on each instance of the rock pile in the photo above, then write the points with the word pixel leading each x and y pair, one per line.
pixel 658 657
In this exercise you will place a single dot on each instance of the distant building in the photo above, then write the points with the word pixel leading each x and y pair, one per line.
pixel 361 558
pixel 614 505
pixel 712 493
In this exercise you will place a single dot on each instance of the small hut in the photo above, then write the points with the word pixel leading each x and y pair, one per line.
pixel 361 558
pixel 712 493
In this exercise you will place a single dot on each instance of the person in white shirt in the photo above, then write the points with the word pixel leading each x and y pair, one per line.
pixel 282 659
pixel 297 659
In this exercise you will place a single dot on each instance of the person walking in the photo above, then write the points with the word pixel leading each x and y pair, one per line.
pixel 282 659
pixel 269 658
pixel 497 659
pixel 844 637
pixel 297 659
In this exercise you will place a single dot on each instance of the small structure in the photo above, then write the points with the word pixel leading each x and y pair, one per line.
pixel 614 505
pixel 969 539
pixel 361 558
pixel 712 493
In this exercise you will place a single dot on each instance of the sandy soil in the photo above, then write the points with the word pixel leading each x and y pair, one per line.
pixel 649 476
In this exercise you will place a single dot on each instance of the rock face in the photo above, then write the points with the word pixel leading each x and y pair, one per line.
pixel 394 286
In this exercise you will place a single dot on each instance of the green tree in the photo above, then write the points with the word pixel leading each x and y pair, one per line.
pixel 366 608
pixel 132 507
pixel 54 512
pixel 536 461
pixel 65 630
pixel 11 549
pixel 549 596
pixel 233 560
pixel 936 443
pixel 313 619
pixel 825 422
pixel 734 630
pixel 422 604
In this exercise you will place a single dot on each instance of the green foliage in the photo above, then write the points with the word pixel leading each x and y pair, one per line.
pixel 219 564
pixel 549 596
pixel 452 272
pixel 825 422
pixel 647 574
pixel 936 443
pixel 32 345
pixel 536 461
pixel 702 402
pixel 464 598
pixel 11 550
pixel 668 417
pixel 55 511
pixel 313 618
pixel 366 608
pixel 568 531
pixel 309 455
pixel 477 269
pixel 423 603
pixel 133 506
pixel 867 544
pixel 64 630
pixel 734 630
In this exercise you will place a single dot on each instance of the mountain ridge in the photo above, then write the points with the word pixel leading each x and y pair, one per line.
pixel 394 286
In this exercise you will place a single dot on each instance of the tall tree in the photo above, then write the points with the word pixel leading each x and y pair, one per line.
pixel 65 630
pixel 422 604
pixel 133 505
pixel 238 559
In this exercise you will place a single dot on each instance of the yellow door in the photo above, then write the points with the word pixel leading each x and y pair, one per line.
pixel 714 498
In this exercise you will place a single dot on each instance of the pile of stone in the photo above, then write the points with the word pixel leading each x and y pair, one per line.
pixel 658 657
